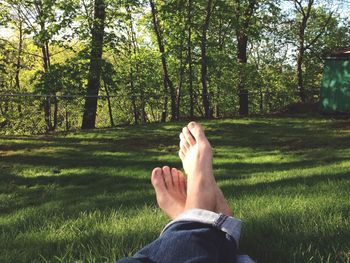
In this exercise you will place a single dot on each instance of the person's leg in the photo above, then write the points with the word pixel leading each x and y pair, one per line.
pixel 196 234
pixel 196 155
pixel 186 238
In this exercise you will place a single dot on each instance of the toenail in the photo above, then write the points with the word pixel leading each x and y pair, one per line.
pixel 191 125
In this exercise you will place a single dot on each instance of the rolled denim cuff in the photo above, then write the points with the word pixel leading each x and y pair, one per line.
pixel 230 225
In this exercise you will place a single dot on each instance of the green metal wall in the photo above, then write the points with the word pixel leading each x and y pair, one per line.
pixel 335 90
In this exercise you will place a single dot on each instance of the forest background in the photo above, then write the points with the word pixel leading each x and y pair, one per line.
pixel 67 64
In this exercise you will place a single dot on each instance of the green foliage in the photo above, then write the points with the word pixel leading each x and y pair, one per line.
pixel 132 71
pixel 68 78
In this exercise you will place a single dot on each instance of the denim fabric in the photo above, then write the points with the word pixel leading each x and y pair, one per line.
pixel 229 225
pixel 196 236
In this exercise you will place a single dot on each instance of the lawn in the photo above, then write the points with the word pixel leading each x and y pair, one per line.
pixel 87 197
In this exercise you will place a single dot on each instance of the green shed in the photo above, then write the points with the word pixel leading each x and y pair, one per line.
pixel 335 89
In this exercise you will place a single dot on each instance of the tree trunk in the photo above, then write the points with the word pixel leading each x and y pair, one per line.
pixel 189 47
pixel 53 97
pixel 18 63
pixel 245 18
pixel 301 50
pixel 90 107
pixel 205 97
pixel 242 42
pixel 168 85
pixel 305 13
pixel 133 48
pixel 219 74
pixel 132 95
pixel 47 100
pixel 46 65
pixel 55 100
pixel 301 87
pixel 47 111
pixel 55 113
pixel 179 86
pixel 109 104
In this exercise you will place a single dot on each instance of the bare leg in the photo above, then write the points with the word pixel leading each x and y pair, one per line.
pixel 174 194
pixel 196 155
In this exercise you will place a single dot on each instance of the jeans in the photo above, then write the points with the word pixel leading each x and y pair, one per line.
pixel 195 236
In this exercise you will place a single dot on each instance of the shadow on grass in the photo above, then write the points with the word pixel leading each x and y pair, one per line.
pixel 269 241
pixel 105 170
pixel 270 134
pixel 237 190
pixel 75 193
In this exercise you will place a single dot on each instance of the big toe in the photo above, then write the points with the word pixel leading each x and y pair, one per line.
pixel 158 181
pixel 196 130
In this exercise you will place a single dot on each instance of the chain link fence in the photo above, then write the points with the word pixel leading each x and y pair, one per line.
pixel 25 114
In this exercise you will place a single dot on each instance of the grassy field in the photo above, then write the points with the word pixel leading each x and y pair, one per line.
pixel 87 197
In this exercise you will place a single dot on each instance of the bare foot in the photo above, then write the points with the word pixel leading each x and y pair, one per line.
pixel 170 187
pixel 196 156
pixel 171 194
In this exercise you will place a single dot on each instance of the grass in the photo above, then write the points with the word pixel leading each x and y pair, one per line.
pixel 87 197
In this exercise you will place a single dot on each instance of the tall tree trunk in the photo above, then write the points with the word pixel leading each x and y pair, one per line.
pixel 55 113
pixel 219 74
pixel 140 86
pixel 205 96
pixel 46 64
pixel 133 47
pixel 301 87
pixel 189 50
pixel 179 85
pixel 47 100
pixel 305 14
pixel 90 107
pixel 53 98
pixel 109 104
pixel 18 63
pixel 242 42
pixel 245 19
pixel 168 85
pixel 132 93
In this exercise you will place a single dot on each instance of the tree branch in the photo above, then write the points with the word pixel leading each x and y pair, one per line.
pixel 320 33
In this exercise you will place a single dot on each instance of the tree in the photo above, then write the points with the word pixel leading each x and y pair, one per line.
pixel 304 11
pixel 45 20
pixel 244 12
pixel 168 84
pixel 206 103
pixel 93 87
pixel 189 57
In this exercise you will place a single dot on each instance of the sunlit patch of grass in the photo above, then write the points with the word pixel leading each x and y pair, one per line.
pixel 87 197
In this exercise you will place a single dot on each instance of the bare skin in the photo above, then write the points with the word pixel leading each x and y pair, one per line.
pixel 170 186
pixel 174 194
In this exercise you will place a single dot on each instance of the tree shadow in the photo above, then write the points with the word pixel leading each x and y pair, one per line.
pixel 106 170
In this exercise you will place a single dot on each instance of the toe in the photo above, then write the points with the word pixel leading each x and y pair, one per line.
pixel 167 178
pixel 182 183
pixel 175 177
pixel 158 180
pixel 196 130
pixel 183 146
pixel 181 155
pixel 183 141
pixel 188 136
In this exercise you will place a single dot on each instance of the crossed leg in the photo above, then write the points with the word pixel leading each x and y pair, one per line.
pixel 191 241
pixel 174 193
